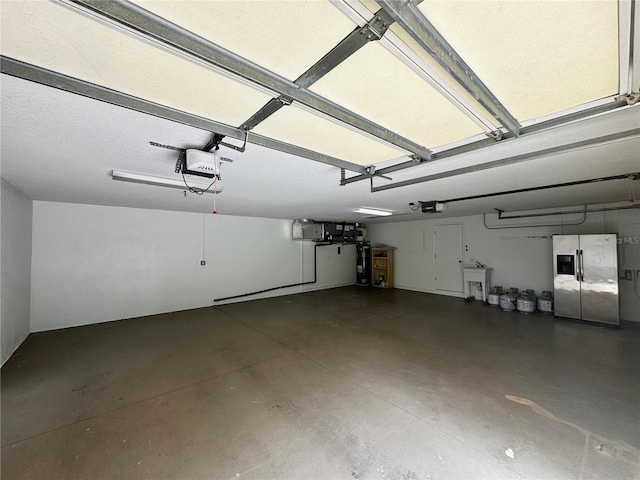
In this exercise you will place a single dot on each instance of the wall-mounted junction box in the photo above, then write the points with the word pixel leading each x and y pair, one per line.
pixel 325 231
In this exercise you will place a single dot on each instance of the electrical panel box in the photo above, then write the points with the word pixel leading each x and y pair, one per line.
pixel 325 231
pixel 350 232
pixel 340 232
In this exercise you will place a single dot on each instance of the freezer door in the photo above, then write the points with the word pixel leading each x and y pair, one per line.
pixel 566 282
pixel 599 265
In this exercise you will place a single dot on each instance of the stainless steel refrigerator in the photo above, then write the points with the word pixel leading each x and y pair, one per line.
pixel 585 278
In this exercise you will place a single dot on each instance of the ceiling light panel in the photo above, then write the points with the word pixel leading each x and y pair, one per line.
pixel 377 85
pixel 286 37
pixel 185 182
pixel 373 211
pixel 56 38
pixel 405 48
pixel 299 126
pixel 444 78
pixel 537 57
pixel 402 37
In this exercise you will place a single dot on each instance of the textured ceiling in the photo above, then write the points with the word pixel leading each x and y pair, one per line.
pixel 391 95
pixel 262 31
pixel 62 147
pixel 536 62
pixel 325 136
pixel 538 57
pixel 53 37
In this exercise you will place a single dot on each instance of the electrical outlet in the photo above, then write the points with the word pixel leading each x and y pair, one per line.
pixel 203 262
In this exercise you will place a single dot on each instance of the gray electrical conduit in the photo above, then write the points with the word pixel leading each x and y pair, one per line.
pixel 585 211
pixel 584 218
pixel 315 278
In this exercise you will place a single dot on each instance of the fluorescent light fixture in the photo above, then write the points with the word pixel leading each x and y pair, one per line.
pixel 373 211
pixel 163 181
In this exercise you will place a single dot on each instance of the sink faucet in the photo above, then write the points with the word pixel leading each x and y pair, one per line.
pixel 479 265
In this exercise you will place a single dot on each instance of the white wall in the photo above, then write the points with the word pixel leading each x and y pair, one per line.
pixel 15 258
pixel 626 223
pixel 513 254
pixel 95 264
pixel 520 257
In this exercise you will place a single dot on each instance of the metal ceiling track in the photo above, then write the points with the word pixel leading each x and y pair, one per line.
pixel 591 142
pixel 26 71
pixel 625 176
pixel 372 31
pixel 170 35
pixel 448 54
pixel 407 15
pixel 487 142
pixel 501 215
pixel 629 48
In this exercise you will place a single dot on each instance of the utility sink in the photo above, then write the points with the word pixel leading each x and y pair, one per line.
pixel 476 275
pixel 475 272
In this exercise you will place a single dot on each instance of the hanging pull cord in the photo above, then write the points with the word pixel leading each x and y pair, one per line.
pixel 215 193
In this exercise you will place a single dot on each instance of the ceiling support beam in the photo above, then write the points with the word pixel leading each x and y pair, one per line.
pixel 373 30
pixel 635 45
pixel 357 12
pixel 524 131
pixel 591 142
pixel 407 15
pixel 154 28
pixel 629 47
pixel 49 78
pixel 271 107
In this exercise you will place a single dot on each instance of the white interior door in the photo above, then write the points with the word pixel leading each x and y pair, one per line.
pixel 448 258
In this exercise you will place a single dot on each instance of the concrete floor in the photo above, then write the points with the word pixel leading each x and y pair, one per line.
pixel 345 383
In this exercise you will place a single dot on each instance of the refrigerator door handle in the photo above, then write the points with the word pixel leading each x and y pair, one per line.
pixel 578 265
pixel 581 266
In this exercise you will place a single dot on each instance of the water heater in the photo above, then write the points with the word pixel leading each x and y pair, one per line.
pixel 363 264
